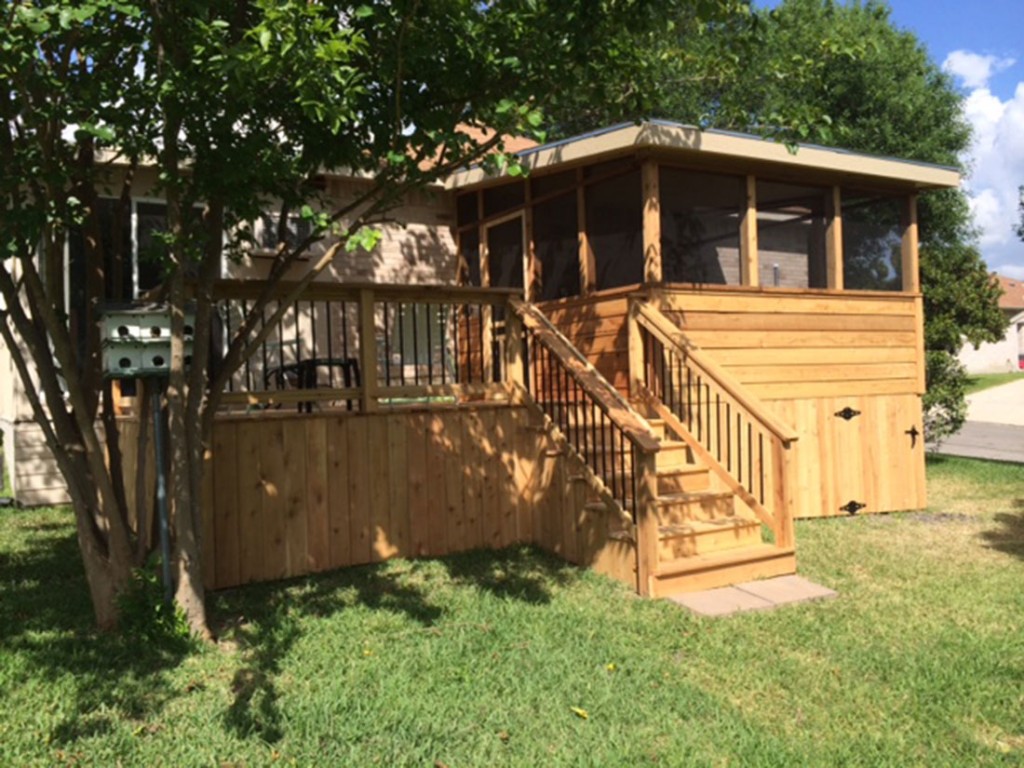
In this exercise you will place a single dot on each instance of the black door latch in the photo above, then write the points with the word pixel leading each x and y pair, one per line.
pixel 913 435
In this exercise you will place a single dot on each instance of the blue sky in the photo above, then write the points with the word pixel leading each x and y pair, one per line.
pixel 981 43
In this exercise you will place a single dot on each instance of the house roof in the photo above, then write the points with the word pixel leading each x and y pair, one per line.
pixel 1013 292
pixel 725 149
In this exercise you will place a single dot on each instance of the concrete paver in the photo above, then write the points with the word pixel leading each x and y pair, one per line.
pixel 753 596
pixel 721 602
pixel 787 589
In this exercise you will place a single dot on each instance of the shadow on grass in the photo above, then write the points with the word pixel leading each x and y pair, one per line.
pixel 1009 536
pixel 267 620
pixel 516 573
pixel 47 628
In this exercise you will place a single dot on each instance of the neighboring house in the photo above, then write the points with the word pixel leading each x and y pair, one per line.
pixel 660 344
pixel 1007 354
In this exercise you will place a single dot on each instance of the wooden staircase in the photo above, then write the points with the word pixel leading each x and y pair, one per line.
pixel 695 519
pixel 706 536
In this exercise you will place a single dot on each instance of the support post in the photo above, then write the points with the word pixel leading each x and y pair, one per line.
pixel 782 493
pixel 368 350
pixel 651 222
pixel 646 521
pixel 749 265
pixel 514 370
pixel 534 273
pixel 588 279
pixel 834 242
pixel 636 350
pixel 909 247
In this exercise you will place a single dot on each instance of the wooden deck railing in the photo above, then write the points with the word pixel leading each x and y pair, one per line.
pixel 735 433
pixel 608 436
pixel 363 346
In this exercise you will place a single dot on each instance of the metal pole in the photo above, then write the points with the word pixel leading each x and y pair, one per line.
pixel 161 491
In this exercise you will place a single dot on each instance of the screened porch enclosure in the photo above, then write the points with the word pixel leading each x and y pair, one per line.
pixel 641 220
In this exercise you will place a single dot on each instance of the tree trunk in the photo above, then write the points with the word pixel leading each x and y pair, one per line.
pixel 106 576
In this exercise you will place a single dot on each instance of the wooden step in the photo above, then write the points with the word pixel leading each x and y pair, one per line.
pixel 685 479
pixel 704 537
pixel 673 454
pixel 680 508
pixel 690 574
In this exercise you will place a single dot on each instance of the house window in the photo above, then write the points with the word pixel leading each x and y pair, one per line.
pixel 614 230
pixel 700 226
pixel 872 242
pixel 297 229
pixel 791 226
pixel 555 238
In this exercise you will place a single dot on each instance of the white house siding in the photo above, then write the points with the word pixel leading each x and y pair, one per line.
pixel 997 357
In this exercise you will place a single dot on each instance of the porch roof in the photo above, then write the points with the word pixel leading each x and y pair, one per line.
pixel 724 150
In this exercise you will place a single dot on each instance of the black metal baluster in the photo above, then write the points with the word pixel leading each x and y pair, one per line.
pixel 344 329
pixel 329 306
pixel 700 411
pixel 430 348
pixel 760 461
pixel 387 345
pixel 400 319
pixel 442 316
pixel 728 430
pixel 707 407
pixel 622 467
pixel 750 457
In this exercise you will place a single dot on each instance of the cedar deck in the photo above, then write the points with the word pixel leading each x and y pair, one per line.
pixel 679 342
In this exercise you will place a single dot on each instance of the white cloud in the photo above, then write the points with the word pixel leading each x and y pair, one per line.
pixel 1012 270
pixel 975 69
pixel 997 171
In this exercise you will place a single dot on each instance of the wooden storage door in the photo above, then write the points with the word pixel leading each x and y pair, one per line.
pixel 878 454
pixel 868 459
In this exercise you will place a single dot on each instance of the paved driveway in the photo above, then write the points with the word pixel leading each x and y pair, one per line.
pixel 995 425
pixel 999 405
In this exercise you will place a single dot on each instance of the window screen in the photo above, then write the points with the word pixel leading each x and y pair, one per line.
pixel 791 223
pixel 556 244
pixel 872 242
pixel 700 226
pixel 614 230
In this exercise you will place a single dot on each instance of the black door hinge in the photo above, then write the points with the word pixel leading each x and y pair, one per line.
pixel 852 507
pixel 913 435
pixel 847 413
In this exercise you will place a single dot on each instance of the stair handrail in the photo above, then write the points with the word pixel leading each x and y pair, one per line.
pixel 589 378
pixel 658 324
pixel 770 495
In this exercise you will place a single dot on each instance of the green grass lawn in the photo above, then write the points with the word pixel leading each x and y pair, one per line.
pixel 514 659
pixel 980 381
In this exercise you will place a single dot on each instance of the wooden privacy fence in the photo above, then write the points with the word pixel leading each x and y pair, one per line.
pixel 288 494
pixel 733 432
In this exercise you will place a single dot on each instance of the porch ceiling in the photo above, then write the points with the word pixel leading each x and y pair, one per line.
pixel 727 151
